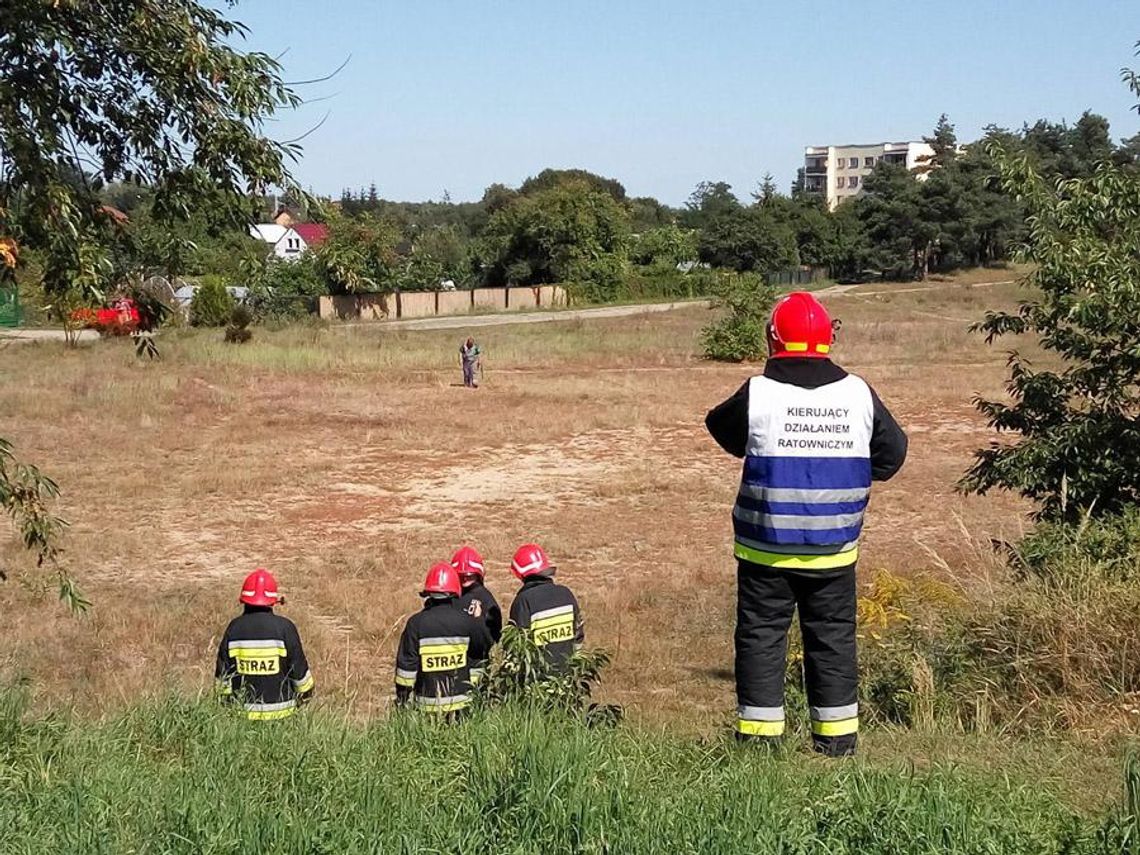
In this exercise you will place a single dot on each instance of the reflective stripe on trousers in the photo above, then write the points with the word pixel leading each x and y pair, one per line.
pixel 453 703
pixel 760 721
pixel 835 721
pixel 269 712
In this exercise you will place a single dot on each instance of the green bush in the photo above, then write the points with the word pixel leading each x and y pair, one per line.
pixel 1067 554
pixel 212 305
pixel 284 291
pixel 746 300
pixel 238 332
pixel 519 673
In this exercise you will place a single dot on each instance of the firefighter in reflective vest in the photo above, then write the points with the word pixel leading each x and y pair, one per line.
pixel 443 651
pixel 547 610
pixel 813 438
pixel 476 600
pixel 261 664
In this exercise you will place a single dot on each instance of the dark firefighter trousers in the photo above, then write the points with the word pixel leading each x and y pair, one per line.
pixel 766 601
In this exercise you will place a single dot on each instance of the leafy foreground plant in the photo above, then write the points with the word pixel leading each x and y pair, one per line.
pixel 175 776
pixel 519 673
pixel 26 495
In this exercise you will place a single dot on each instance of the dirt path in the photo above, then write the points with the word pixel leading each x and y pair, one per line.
pixel 457 321
pixel 440 323
pixel 504 319
pixel 10 335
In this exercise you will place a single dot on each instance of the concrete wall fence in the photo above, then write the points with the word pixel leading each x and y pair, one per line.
pixel 429 304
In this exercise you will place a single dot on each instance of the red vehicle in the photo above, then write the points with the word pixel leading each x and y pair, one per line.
pixel 120 317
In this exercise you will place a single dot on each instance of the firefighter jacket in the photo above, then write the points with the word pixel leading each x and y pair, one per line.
pixel 550 613
pixel 813 438
pixel 481 604
pixel 262 666
pixel 442 653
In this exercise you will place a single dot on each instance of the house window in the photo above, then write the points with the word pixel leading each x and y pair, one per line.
pixel 868 162
pixel 854 181
pixel 840 181
pixel 854 163
pixel 840 163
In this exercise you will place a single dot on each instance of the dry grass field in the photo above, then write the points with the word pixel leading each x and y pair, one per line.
pixel 348 459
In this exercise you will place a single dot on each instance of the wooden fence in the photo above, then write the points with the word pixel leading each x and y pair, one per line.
pixel 429 304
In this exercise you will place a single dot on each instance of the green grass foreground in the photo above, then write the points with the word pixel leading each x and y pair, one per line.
pixel 176 776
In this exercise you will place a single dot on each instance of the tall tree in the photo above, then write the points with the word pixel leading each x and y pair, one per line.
pixel 944 142
pixel 1090 144
pixel 570 232
pixel 360 254
pixel 1077 451
pixel 649 214
pixel 766 190
pixel 550 178
pixel 748 239
pixel 892 214
pixel 708 200
pixel 150 93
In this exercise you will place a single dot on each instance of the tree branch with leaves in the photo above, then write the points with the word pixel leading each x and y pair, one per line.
pixel 26 496
pixel 1078 425
pixel 134 91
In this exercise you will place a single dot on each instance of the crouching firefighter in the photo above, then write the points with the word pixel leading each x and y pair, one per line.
pixel 476 599
pixel 548 611
pixel 443 650
pixel 813 438
pixel 261 664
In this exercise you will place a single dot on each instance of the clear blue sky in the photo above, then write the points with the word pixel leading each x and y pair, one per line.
pixel 661 95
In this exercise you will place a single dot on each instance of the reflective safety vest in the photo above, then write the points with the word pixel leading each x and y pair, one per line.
pixel 807 474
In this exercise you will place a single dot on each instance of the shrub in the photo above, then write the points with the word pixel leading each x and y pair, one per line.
pixel 1051 648
pixel 286 290
pixel 211 306
pixel 519 672
pixel 238 331
pixel 740 333
pixel 1073 555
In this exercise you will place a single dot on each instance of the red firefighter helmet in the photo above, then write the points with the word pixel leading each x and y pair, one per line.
pixel 530 559
pixel 259 589
pixel 469 563
pixel 800 326
pixel 442 580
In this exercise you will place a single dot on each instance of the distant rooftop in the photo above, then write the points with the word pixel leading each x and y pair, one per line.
pixel 814 148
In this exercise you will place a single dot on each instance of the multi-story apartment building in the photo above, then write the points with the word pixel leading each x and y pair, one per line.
pixel 838 171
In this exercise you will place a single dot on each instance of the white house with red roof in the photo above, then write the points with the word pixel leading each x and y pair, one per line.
pixel 290 242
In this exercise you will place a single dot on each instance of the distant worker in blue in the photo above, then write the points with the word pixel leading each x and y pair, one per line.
pixel 813 438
